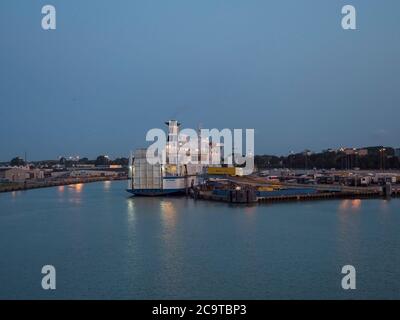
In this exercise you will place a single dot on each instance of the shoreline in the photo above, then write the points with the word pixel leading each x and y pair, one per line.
pixel 21 186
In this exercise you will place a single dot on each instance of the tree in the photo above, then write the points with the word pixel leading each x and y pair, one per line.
pixel 83 160
pixel 121 161
pixel 17 161
pixel 102 160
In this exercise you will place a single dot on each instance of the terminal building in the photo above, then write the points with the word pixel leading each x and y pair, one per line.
pixel 20 174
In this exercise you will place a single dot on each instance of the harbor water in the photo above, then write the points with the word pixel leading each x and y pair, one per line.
pixel 106 245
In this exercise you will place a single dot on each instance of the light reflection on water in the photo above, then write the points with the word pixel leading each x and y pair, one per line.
pixel 349 229
pixel 76 187
pixel 168 214
pixel 350 205
pixel 130 210
pixel 168 219
pixel 75 193
pixel 15 195
pixel 107 185
pixel 356 204
pixel 60 190
pixel 384 205
pixel 172 252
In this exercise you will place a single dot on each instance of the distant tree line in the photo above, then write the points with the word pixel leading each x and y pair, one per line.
pixel 376 159
pixel 100 160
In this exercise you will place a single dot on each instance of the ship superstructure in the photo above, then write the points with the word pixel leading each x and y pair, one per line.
pixel 172 175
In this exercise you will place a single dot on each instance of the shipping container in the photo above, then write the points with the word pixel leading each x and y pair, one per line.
pixel 222 170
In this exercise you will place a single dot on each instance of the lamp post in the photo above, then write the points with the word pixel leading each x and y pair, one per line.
pixel 305 160
pixel 382 158
pixel 291 159
pixel 355 157
pixel 342 158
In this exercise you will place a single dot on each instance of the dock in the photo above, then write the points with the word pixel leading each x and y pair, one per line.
pixel 249 190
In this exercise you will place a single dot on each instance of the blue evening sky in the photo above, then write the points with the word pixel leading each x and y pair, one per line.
pixel 114 69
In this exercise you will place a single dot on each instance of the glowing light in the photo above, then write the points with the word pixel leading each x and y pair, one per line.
pixel 77 187
pixel 344 204
pixel 356 203
pixel 107 185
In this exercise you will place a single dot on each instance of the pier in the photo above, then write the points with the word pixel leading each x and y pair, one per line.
pixel 250 189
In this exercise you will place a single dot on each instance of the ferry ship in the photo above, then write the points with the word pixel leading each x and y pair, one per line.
pixel 171 177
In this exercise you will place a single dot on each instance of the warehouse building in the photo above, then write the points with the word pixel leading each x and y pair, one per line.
pixel 20 174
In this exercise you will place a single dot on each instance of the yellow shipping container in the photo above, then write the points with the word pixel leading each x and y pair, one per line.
pixel 275 186
pixel 222 170
pixel 263 188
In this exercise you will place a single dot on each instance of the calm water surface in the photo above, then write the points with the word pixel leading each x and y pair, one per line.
pixel 105 245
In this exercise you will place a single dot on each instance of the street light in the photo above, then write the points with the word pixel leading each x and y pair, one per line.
pixel 291 159
pixel 382 158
